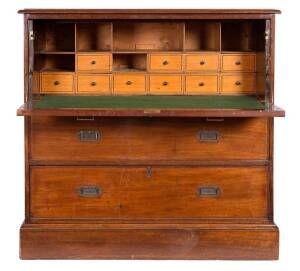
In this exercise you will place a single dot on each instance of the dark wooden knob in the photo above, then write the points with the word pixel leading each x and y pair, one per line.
pixel 238 83
pixel 56 83
pixel 93 62
pixel 93 83
pixel 165 62
pixel 202 62
pixel 238 63
pixel 201 84
pixel 129 83
pixel 165 83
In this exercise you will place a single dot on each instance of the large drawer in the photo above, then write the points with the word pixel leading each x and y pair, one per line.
pixel 140 192
pixel 114 139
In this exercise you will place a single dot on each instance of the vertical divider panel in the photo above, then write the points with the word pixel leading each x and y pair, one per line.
pixel 111 36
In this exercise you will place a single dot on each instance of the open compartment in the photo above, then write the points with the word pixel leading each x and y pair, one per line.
pixel 158 36
pixel 54 62
pixel 202 36
pixel 129 62
pixel 245 36
pixel 93 36
pixel 54 37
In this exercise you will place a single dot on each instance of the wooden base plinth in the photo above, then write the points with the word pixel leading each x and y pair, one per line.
pixel 149 241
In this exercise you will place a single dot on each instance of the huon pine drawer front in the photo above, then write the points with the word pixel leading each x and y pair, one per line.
pixel 202 62
pixel 129 84
pixel 165 84
pixel 165 62
pixel 99 84
pixel 57 82
pixel 141 192
pixel 201 84
pixel 114 139
pixel 238 62
pixel 91 63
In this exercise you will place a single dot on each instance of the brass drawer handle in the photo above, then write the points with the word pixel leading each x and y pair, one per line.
pixel 93 83
pixel 208 191
pixel 165 62
pixel 129 83
pixel 208 136
pixel 238 83
pixel 56 83
pixel 93 62
pixel 89 191
pixel 202 62
pixel 201 84
pixel 165 83
pixel 87 135
pixel 238 62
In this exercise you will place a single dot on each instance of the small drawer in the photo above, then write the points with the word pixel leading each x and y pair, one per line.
pixel 129 84
pixel 201 84
pixel 169 62
pixel 202 62
pixel 238 84
pixel 165 84
pixel 238 63
pixel 93 84
pixel 94 62
pixel 57 82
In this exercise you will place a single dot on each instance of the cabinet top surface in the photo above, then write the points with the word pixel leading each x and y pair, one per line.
pixel 153 11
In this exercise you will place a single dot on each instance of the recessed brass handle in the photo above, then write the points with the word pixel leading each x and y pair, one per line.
pixel 165 62
pixel 165 83
pixel 129 83
pixel 93 83
pixel 201 84
pixel 56 83
pixel 93 62
pixel 202 62
pixel 208 191
pixel 238 63
pixel 238 83
pixel 90 191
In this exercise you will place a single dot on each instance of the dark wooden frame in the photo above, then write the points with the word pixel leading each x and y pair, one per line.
pixel 266 234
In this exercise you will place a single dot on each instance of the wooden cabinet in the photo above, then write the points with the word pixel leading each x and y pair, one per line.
pixel 149 134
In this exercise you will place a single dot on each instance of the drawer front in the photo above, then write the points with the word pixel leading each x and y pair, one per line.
pixel 238 63
pixel 238 84
pixel 99 84
pixel 119 139
pixel 202 62
pixel 94 62
pixel 129 84
pixel 165 62
pixel 74 192
pixel 57 82
pixel 201 84
pixel 140 192
pixel 165 84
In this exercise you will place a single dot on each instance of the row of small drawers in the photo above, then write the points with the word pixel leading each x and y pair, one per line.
pixel 176 62
pixel 140 84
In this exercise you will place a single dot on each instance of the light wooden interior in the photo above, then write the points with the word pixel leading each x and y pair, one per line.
pixel 232 53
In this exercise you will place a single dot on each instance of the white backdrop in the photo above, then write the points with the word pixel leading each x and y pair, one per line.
pixel 287 95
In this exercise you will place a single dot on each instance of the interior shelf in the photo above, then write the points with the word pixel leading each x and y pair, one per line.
pixel 54 37
pixel 54 62
pixel 163 36
pixel 93 37
pixel 129 62
pixel 202 36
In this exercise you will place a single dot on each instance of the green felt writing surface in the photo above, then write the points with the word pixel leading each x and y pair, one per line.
pixel 153 102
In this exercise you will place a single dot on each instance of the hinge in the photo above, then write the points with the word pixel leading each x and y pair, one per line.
pixel 31 35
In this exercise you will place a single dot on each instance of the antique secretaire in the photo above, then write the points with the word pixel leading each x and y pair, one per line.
pixel 149 134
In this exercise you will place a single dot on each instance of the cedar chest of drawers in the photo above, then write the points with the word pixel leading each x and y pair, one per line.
pixel 149 134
